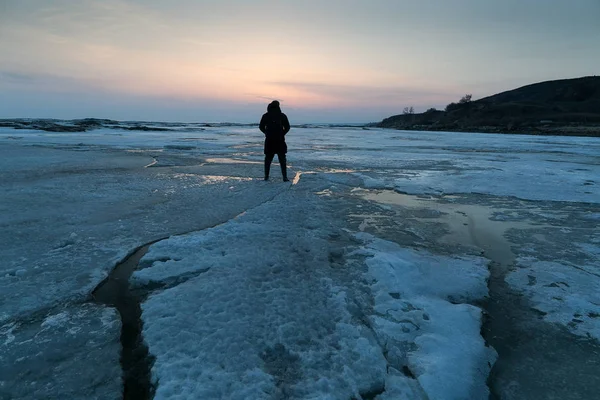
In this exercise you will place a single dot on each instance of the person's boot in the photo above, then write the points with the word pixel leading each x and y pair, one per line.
pixel 284 169
pixel 267 169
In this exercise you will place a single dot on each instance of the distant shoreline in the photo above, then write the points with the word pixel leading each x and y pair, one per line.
pixel 90 124
pixel 558 130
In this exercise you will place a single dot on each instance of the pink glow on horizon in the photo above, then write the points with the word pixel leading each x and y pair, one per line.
pixel 355 57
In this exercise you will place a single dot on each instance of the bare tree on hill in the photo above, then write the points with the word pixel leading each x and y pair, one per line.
pixel 465 99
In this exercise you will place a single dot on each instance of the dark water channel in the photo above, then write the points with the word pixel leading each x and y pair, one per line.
pixel 136 361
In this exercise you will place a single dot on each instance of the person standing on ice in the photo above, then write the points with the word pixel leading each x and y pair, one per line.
pixel 275 125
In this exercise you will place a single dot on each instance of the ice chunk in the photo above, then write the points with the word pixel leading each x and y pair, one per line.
pixel 438 341
pixel 258 319
pixel 420 273
pixel 565 294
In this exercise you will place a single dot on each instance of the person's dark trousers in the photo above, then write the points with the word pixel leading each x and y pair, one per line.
pixel 282 163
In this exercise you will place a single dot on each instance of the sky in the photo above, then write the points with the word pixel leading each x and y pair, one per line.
pixel 324 60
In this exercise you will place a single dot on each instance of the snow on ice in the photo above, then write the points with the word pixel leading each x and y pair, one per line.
pixel 419 298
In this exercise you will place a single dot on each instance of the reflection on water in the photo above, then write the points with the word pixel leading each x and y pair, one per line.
pixel 468 224
pixel 225 160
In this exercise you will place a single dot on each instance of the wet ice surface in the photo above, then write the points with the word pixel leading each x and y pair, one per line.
pixel 73 205
pixel 68 353
pixel 542 353
pixel 69 216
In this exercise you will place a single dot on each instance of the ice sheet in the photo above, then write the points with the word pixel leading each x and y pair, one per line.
pixel 528 167
pixel 70 353
pixel 73 204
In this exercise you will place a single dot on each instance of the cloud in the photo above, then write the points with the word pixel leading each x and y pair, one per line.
pixel 17 77
pixel 256 96
pixel 48 82
pixel 349 95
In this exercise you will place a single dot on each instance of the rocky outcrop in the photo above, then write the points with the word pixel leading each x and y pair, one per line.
pixel 563 107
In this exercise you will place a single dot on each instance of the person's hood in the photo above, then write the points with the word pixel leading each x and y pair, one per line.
pixel 274 107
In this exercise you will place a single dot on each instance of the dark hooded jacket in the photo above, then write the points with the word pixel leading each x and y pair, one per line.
pixel 275 125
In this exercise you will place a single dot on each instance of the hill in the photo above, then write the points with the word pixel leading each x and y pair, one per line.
pixel 561 107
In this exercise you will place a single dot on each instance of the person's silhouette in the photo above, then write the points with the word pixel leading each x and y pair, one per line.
pixel 275 125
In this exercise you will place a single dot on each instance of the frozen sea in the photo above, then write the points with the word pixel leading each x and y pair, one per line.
pixel 395 265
